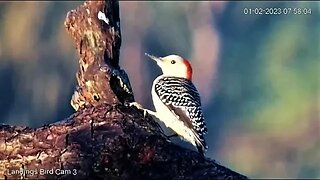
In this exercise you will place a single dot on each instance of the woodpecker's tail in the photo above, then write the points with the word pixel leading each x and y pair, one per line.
pixel 201 145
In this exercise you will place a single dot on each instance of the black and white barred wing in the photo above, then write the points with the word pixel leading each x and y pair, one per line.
pixel 183 99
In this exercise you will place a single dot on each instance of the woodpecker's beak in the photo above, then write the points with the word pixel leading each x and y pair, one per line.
pixel 157 59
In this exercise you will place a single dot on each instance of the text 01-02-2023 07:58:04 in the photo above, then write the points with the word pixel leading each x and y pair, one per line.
pixel 277 11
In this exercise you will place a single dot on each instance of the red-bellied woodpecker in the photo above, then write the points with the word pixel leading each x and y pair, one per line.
pixel 177 101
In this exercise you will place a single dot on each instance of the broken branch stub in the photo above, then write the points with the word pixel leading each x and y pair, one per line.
pixel 95 28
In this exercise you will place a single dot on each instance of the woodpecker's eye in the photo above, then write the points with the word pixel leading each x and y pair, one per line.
pixel 173 61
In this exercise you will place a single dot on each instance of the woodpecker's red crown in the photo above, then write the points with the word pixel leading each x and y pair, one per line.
pixel 174 65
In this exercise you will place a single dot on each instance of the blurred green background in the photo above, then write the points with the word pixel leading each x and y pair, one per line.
pixel 258 75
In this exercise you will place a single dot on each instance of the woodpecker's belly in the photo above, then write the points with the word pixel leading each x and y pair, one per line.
pixel 170 120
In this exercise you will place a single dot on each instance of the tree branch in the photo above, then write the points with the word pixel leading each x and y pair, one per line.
pixel 106 141
pixel 105 138
pixel 95 28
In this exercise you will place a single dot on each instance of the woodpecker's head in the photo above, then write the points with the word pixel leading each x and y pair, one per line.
pixel 174 65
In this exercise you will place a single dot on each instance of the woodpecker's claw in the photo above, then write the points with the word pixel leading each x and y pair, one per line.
pixel 145 112
pixel 139 106
pixel 135 104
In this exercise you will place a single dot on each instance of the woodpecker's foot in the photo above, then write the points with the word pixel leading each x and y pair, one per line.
pixel 135 104
pixel 139 106
pixel 172 135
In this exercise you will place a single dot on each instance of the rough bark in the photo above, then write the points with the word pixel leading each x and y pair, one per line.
pixel 105 138
pixel 95 28
pixel 103 142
